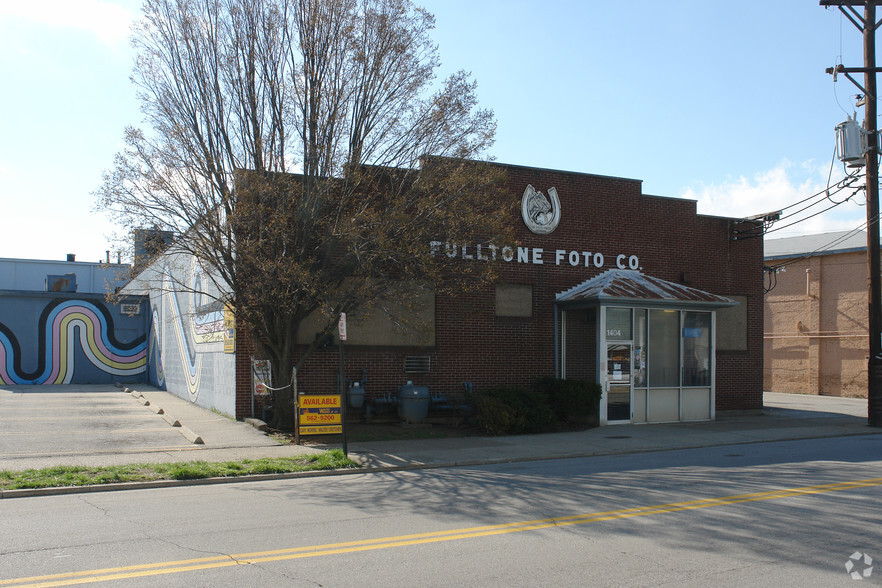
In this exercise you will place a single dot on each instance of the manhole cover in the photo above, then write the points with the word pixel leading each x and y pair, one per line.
pixel 618 437
pixel 733 455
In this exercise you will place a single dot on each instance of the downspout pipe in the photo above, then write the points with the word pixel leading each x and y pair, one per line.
pixel 556 343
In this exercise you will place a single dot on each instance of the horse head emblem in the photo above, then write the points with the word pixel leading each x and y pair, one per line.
pixel 540 216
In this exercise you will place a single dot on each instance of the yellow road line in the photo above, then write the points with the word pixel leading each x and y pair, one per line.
pixel 187 565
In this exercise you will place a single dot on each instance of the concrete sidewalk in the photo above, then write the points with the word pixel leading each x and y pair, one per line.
pixel 126 429
pixel 785 417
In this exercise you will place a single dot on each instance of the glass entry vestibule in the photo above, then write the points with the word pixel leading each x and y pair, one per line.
pixel 659 364
pixel 654 358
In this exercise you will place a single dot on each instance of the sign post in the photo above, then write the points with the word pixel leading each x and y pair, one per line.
pixel 296 397
pixel 341 379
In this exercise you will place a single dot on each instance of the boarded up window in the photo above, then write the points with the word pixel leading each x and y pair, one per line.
pixel 514 300
pixel 732 325
pixel 407 321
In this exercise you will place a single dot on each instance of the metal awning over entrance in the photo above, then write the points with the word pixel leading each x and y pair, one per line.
pixel 649 342
pixel 631 286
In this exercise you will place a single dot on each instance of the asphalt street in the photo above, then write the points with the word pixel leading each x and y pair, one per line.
pixel 791 513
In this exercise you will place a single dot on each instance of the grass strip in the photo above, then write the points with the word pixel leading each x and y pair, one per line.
pixel 85 476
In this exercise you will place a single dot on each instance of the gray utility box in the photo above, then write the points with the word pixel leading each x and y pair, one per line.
pixel 356 395
pixel 413 403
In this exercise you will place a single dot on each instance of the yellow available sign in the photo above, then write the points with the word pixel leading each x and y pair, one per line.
pixel 321 414
pixel 320 401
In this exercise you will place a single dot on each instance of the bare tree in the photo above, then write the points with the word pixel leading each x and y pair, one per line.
pixel 305 154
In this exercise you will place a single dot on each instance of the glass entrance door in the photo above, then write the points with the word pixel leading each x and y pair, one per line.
pixel 618 382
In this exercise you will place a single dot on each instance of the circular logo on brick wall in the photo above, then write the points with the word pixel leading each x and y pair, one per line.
pixel 540 215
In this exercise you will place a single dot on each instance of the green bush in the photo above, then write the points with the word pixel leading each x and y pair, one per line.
pixel 512 411
pixel 570 398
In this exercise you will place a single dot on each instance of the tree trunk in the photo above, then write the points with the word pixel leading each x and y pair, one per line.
pixel 283 395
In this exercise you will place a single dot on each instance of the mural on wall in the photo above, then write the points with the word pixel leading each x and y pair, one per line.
pixel 191 329
pixel 68 329
pixel 156 375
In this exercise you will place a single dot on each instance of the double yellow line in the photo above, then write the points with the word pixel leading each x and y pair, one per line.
pixel 221 561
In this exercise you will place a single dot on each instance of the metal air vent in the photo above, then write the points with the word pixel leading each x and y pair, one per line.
pixel 417 364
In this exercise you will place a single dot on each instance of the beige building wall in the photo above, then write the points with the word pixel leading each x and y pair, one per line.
pixel 815 334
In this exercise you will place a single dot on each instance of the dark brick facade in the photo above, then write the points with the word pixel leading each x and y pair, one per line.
pixel 600 214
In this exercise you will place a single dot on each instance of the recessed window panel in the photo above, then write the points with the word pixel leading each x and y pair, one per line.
pixel 640 348
pixel 696 349
pixel 618 324
pixel 664 348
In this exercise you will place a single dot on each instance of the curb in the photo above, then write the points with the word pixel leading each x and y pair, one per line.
pixel 366 469
pixel 62 490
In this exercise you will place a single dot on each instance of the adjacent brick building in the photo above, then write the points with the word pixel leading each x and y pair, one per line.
pixel 511 334
pixel 816 315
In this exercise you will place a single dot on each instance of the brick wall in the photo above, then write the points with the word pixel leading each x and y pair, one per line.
pixel 244 351
pixel 816 338
pixel 602 215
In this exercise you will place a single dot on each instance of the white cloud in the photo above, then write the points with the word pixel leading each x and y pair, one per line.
pixel 779 189
pixel 108 21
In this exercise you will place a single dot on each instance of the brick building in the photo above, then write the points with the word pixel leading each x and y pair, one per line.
pixel 639 293
pixel 523 328
pixel 816 314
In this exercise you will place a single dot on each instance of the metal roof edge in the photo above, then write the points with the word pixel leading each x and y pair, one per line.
pixel 644 303
pixel 815 253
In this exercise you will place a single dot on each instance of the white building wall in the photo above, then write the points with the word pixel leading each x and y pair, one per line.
pixel 186 351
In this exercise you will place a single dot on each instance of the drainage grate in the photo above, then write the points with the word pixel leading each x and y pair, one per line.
pixel 617 437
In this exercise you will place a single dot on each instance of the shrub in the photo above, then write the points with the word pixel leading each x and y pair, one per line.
pixel 570 398
pixel 512 411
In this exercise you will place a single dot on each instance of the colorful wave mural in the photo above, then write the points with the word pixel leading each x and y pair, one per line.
pixel 191 361
pixel 155 347
pixel 191 327
pixel 65 326
pixel 190 354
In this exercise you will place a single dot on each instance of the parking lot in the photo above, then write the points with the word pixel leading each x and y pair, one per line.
pixel 64 422
pixel 43 426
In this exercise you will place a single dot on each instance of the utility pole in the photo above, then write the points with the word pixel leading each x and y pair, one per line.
pixel 867 25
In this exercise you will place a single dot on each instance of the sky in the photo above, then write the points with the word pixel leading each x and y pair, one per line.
pixel 723 103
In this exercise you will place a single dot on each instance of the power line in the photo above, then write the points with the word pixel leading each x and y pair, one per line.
pixel 771 271
pixel 755 230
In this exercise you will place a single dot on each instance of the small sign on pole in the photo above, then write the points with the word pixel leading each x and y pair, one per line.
pixel 261 376
pixel 341 326
pixel 341 380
